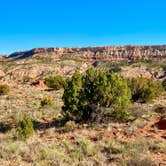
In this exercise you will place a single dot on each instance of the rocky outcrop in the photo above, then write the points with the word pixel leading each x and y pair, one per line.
pixel 97 53
pixel 27 72
pixel 31 71
pixel 135 72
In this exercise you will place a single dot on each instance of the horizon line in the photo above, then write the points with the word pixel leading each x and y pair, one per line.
pixel 93 46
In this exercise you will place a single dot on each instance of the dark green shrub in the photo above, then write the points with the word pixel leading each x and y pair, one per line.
pixel 144 90
pixel 56 82
pixel 72 98
pixel 83 95
pixel 47 102
pixel 164 84
pixel 25 127
pixel 4 89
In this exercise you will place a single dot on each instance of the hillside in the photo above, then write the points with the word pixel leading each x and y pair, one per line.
pixel 139 140
pixel 97 53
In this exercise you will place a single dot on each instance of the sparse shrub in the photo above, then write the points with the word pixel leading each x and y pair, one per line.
pixel 25 127
pixel 157 146
pixel 141 162
pixel 84 94
pixel 56 82
pixel 44 154
pixel 83 149
pixel 69 126
pixel 137 147
pixel 4 89
pixel 114 147
pixel 144 90
pixel 164 84
pixel 46 102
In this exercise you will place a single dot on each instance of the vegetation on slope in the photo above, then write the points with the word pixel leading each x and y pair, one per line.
pixel 96 96
pixel 56 82
pixel 144 90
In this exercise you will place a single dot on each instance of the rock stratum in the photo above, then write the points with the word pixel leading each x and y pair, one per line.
pixel 97 53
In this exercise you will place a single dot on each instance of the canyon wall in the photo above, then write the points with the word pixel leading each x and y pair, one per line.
pixel 97 53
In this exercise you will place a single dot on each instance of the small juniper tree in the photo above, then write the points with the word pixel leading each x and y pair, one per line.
pixel 56 82
pixel 144 89
pixel 72 98
pixel 25 127
pixel 83 95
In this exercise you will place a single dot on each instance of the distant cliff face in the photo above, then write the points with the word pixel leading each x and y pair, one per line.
pixel 2 57
pixel 97 53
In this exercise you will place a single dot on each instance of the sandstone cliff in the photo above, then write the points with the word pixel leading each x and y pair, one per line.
pixel 97 53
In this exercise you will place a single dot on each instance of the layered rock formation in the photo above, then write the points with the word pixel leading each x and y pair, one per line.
pixel 2 57
pixel 97 53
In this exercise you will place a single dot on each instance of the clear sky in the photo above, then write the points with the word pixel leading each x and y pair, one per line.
pixel 25 24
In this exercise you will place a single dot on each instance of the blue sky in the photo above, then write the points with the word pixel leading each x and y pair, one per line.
pixel 25 24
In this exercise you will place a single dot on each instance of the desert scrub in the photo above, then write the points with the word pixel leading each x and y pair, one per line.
pixel 114 147
pixel 137 147
pixel 25 127
pixel 157 146
pixel 96 93
pixel 141 162
pixel 55 83
pixel 69 126
pixel 144 90
pixel 43 154
pixel 83 149
pixel 47 102
pixel 4 89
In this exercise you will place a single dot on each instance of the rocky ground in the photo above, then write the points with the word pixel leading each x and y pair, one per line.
pixel 143 139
